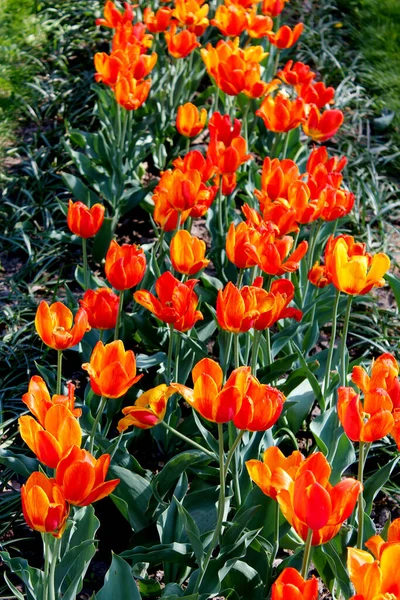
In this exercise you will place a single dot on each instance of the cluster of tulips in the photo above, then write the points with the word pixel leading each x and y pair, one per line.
pixel 265 249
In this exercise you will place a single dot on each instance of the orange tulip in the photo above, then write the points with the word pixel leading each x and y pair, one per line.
pixel 125 265
pixel 148 410
pixel 319 161
pixel 229 181
pixel 281 114
pixel 258 26
pixel 273 8
pixel 372 579
pixel 296 74
pixel 261 406
pixel 112 369
pixel 123 64
pixel 286 37
pixel 261 472
pixel 130 34
pixel 130 93
pixel 195 161
pixel 176 303
pixel 159 21
pixel 209 397
pixel 81 477
pixel 236 243
pixel 279 212
pixel 58 328
pixel 384 376
pixel 367 423
pixel 189 120
pixel 282 292
pixel 377 544
pixel 290 585
pixel 309 501
pixel 113 17
pixel 38 399
pixel 230 20
pixel 101 306
pixel 52 441
pixel 335 203
pixel 316 93
pixel 192 14
pixel 276 177
pixel 227 149
pixel 85 221
pixel 235 70
pixel 44 505
pixel 321 127
pixel 187 253
pixel 180 44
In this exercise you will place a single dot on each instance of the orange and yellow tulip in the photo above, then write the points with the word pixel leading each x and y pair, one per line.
pixel 258 26
pixel 384 376
pixel 372 579
pixel 236 243
pixel 261 472
pixel 187 253
pixel 213 400
pixel 227 149
pixel 180 44
pixel 321 127
pixel 52 441
pixel 85 221
pixel 101 306
pixel 57 326
pixel 38 399
pixel 159 21
pixel 367 423
pixel 376 544
pixel 230 20
pixel 189 120
pixel 286 37
pixel 309 501
pixel 290 585
pixel 44 505
pixel 129 34
pixel 281 114
pixel 176 303
pixel 279 212
pixel 296 73
pixel 130 93
pixel 191 14
pixel 276 177
pixel 81 477
pixel 335 203
pixel 112 369
pixel 125 265
pixel 148 410
pixel 113 17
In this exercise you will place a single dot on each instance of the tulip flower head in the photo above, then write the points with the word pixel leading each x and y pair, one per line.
pixel 365 423
pixel 259 26
pixel 58 328
pixel 296 73
pixel 112 369
pixel 231 20
pixel 85 221
pixel 38 399
pixel 125 265
pixel 261 472
pixel 82 477
pixel 148 410
pixel 227 149
pixel 113 17
pixel 286 37
pixel 321 127
pixel 291 585
pixel 189 120
pixel 376 544
pixel 280 114
pixel 188 253
pixel 159 21
pixel 44 505
pixel 372 579
pixel 176 303
pixel 180 44
pixel 101 306
pixel 273 8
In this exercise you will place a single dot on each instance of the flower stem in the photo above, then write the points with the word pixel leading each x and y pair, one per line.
pixel 177 352
pixel 53 564
pixel 46 566
pixel 119 315
pixel 236 350
pixel 331 343
pixel 169 356
pixel 360 476
pixel 221 510
pixel 285 149
pixel 96 422
pixel 116 445
pixel 276 534
pixel 254 351
pixel 85 264
pixel 233 448
pixel 219 209
pixel 187 440
pixel 307 555
pixel 59 371
pixel 343 377
pixel 228 354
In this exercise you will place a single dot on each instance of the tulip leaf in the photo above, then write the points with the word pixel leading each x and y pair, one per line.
pixel 131 496
pixel 171 472
pixel 102 240
pixel 298 405
pixel 12 587
pixel 394 283
pixel 156 554
pixel 375 482
pixel 210 440
pixel 278 368
pixel 32 578
pixel 143 361
pixel 19 463
pixel 193 533
pixel 79 190
pixel 119 583
pixel 244 581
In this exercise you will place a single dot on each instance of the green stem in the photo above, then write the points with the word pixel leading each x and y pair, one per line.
pixel 221 510
pixel 360 477
pixel 228 354
pixel 85 264
pixel 269 351
pixel 285 146
pixel 343 370
pixel 101 334
pixel 275 145
pixel 187 440
pixel 116 445
pixel 276 533
pixel 236 350
pixel 96 422
pixel 119 315
pixel 46 566
pixel 307 555
pixel 254 351
pixel 240 278
pixel 53 564
pixel 331 343
pixel 233 448
pixel 169 356
pixel 177 352
pixel 59 371
pixel 219 208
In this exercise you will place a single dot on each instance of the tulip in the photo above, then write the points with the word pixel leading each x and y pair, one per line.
pixel 53 440
pixel 57 327
pixel 276 178
pixel 189 121
pixel 309 502
pixel 125 265
pixel 148 410
pixel 319 160
pixel 237 309
pixel 214 401
pixel 317 94
pixel 44 505
pixel 261 407
pixel 227 149
pixel 191 14
pixel 85 221
pixel 38 399
pixel 286 37
pixel 230 20
pixel 279 212
pixel 384 376
pixel 261 472
pixel 180 44
pixel 176 303
pixel 236 243
pixel 101 306
pixel 335 203
pixel 130 93
pixel 375 580
pixel 258 26
pixel 81 477
pixel 187 253
pixel 281 114
pixel 296 74
pixel 130 35
pixel 377 544
pixel 112 16
pixel 290 585
pixel 273 8
pixel 282 292
pixel 159 21
pixel 367 423
pixel 112 369
pixel 195 161
pixel 321 127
